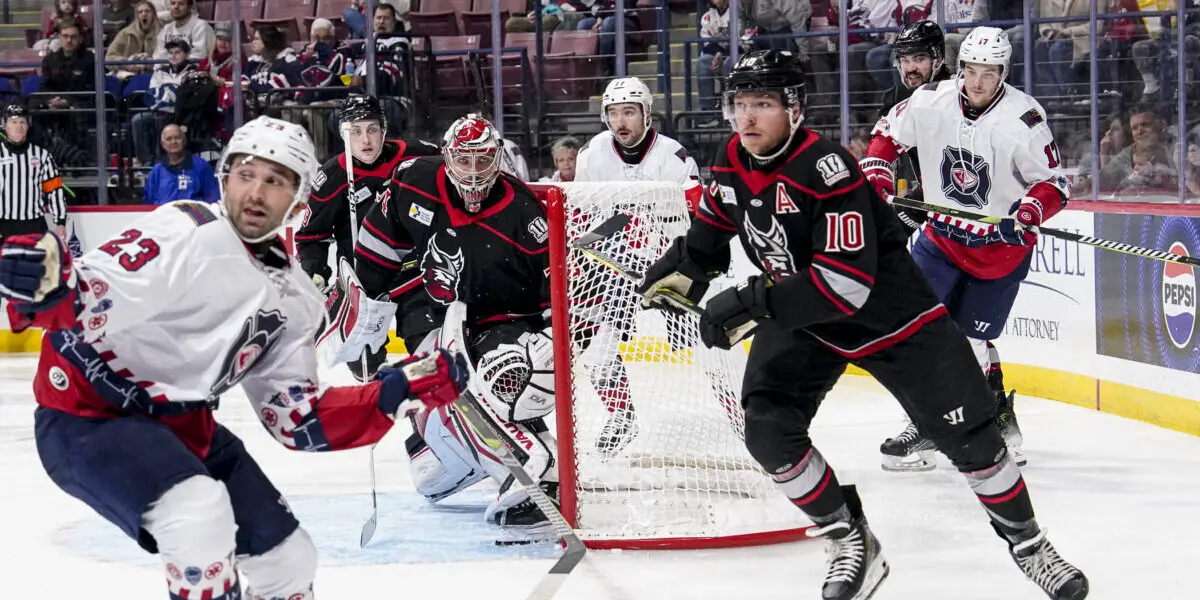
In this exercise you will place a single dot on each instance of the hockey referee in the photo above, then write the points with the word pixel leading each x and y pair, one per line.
pixel 30 186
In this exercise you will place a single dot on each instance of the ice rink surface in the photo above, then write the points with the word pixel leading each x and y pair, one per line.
pixel 1119 499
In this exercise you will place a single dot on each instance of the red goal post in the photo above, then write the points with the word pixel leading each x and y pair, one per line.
pixel 684 479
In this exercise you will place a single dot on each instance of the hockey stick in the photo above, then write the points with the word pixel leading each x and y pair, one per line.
pixel 1087 240
pixel 452 338
pixel 605 229
pixel 368 528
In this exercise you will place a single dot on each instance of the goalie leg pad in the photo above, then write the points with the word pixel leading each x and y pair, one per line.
pixel 193 526
pixel 285 571
pixel 440 460
pixel 540 464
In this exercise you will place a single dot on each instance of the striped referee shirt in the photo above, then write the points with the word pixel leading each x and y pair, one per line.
pixel 30 186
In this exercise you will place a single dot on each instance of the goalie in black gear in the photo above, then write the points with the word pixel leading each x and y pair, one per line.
pixel 477 235
pixel 327 214
pixel 837 287
pixel 919 52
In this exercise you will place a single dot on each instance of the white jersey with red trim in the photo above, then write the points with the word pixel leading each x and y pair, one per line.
pixel 984 165
pixel 175 311
pixel 663 159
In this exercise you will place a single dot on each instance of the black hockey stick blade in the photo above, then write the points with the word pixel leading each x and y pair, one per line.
pixel 368 528
pixel 1087 240
pixel 608 228
pixel 668 298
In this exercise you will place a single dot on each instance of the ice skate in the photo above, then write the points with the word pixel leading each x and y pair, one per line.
pixel 1007 418
pixel 524 522
pixel 856 565
pixel 619 430
pixel 910 451
pixel 1040 562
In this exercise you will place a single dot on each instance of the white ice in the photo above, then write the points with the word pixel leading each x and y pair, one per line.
pixel 1119 498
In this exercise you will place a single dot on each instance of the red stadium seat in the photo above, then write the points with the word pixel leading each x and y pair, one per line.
pixel 442 23
pixel 250 10
pixel 457 6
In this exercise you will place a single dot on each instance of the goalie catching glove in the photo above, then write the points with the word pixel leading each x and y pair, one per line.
pixel 436 379
pixel 518 379
pixel 355 321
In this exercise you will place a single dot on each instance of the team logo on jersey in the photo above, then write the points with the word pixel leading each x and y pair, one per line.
pixel 539 229
pixel 259 334
pixel 832 168
pixel 58 379
pixel 441 272
pixel 99 288
pixel 966 178
pixel 1179 298
pixel 192 574
pixel 319 180
pixel 305 215
pixel 772 249
pixel 213 570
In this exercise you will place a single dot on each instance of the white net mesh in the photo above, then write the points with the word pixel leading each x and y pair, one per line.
pixel 658 426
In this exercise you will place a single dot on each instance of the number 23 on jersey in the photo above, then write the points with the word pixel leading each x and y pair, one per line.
pixel 131 250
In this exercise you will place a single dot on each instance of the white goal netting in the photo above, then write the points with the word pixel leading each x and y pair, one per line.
pixel 656 421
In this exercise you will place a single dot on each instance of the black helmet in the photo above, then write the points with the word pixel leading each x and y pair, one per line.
pixel 16 111
pixel 768 71
pixel 361 107
pixel 921 37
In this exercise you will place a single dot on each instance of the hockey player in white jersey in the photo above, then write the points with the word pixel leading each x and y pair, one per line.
pixel 984 146
pixel 148 330
pixel 630 149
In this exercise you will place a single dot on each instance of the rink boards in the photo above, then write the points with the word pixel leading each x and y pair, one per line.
pixel 1093 328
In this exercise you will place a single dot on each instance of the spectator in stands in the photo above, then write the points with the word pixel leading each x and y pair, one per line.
pixel 564 151
pixel 770 17
pixel 554 15
pixel 1115 139
pixel 1191 168
pixel 1146 55
pixel 64 11
pixel 219 66
pixel 392 77
pixel 180 175
pixel 70 68
pixel 825 59
pixel 1146 163
pixel 714 60
pixel 1061 47
pixel 137 41
pixel 603 21
pixel 118 14
pixel 186 25
pixel 272 66
pixel 357 22
pixel 163 85
pixel 1116 42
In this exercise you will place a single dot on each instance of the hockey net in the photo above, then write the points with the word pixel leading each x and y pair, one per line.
pixel 650 426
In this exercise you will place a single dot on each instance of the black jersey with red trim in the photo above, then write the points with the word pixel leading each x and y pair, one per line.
pixel 834 251
pixel 419 238
pixel 327 216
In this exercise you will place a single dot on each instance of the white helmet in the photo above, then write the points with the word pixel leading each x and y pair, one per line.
pixel 986 46
pixel 277 141
pixel 628 90
pixel 472 137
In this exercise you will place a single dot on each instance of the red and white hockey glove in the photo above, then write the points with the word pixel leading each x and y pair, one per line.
pixel 879 173
pixel 35 271
pixel 436 379
pixel 1019 228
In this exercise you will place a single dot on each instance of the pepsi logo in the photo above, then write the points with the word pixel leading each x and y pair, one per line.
pixel 1179 299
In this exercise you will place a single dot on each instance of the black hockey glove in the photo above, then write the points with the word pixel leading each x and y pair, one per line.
pixel 676 273
pixel 732 315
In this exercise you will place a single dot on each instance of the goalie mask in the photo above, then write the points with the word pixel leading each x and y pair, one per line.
pixel 518 379
pixel 471 149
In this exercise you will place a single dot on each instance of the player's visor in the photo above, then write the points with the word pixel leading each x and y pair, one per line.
pixel 750 104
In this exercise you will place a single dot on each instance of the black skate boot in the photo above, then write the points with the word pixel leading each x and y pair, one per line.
pixel 1040 562
pixel 524 522
pixel 909 451
pixel 619 430
pixel 856 565
pixel 1007 418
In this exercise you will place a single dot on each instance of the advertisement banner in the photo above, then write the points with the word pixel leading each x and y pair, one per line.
pixel 1146 309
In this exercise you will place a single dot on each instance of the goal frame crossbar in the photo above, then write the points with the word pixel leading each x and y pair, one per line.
pixel 556 209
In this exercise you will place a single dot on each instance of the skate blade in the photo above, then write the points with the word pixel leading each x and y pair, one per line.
pixel 914 463
pixel 878 572
pixel 523 535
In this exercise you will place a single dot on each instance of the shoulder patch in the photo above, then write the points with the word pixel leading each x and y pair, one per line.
pixel 832 168
pixel 932 85
pixel 319 179
pixel 1032 118
pixel 681 154
pixel 200 213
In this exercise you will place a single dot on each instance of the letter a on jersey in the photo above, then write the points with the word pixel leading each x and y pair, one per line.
pixel 783 202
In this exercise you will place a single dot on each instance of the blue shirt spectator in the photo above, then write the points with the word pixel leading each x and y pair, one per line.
pixel 181 176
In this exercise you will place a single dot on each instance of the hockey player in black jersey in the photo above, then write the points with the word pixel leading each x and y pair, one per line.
pixel 838 287
pixel 477 235
pixel 327 214
pixel 920 52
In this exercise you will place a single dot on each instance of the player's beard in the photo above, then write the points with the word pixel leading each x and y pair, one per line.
pixel 251 219
pixel 913 78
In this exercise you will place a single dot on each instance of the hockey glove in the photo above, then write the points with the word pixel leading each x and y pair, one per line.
pixel 35 271
pixel 1019 228
pixel 436 379
pixel 879 173
pixel 732 315
pixel 676 273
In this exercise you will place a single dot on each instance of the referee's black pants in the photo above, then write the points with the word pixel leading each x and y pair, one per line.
pixel 23 226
